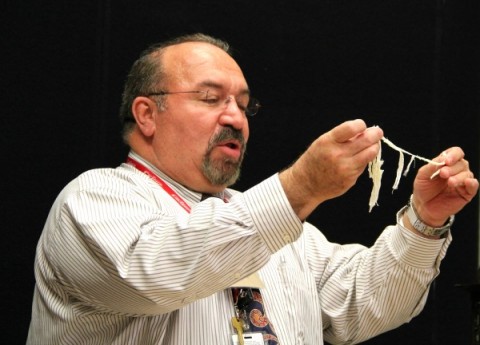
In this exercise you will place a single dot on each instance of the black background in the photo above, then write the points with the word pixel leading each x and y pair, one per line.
pixel 410 66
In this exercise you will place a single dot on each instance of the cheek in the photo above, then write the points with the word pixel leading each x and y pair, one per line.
pixel 197 138
pixel 246 132
pixel 193 130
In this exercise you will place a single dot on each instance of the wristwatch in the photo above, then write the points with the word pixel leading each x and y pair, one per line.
pixel 420 226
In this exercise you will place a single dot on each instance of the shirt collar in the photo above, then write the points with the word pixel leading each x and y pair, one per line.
pixel 191 197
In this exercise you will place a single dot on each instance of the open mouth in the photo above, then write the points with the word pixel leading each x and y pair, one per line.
pixel 231 148
pixel 232 145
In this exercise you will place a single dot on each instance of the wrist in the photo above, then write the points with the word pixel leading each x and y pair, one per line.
pixel 298 194
pixel 418 225
pixel 425 215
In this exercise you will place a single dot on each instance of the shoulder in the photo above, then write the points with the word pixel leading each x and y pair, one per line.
pixel 104 183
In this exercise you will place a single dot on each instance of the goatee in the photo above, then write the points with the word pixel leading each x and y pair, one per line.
pixel 223 172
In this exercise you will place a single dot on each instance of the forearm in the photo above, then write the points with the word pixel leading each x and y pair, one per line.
pixel 382 287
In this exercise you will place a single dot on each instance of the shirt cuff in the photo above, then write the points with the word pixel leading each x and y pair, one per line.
pixel 272 214
pixel 415 250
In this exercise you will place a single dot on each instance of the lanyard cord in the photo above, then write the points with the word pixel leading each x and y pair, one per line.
pixel 162 183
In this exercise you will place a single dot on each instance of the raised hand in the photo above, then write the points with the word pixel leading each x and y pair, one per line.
pixel 330 166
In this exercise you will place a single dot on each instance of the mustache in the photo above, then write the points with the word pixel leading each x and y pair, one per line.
pixel 228 133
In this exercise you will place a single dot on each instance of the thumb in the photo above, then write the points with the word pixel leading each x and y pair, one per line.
pixel 347 130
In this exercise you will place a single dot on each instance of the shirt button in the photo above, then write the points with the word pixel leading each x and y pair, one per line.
pixel 287 238
pixel 300 338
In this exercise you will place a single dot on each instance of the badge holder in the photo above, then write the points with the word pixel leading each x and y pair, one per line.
pixel 248 339
pixel 240 323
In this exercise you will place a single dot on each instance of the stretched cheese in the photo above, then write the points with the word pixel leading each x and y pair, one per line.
pixel 375 172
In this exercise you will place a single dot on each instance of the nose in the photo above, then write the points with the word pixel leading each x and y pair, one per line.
pixel 233 115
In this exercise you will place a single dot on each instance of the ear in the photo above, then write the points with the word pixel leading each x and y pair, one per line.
pixel 144 110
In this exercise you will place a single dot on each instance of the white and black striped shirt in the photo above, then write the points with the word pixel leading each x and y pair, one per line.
pixel 120 262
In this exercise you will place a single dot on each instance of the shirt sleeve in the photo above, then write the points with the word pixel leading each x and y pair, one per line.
pixel 132 250
pixel 368 291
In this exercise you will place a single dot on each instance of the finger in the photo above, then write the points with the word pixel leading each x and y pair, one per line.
pixel 471 187
pixel 367 140
pixel 457 168
pixel 467 189
pixel 347 130
pixel 448 157
pixel 459 178
pixel 361 159
pixel 451 156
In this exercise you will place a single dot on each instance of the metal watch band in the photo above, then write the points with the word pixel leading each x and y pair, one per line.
pixel 420 226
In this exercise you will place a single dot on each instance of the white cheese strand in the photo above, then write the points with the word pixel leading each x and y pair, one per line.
pixel 395 147
pixel 401 161
pixel 375 172
pixel 412 159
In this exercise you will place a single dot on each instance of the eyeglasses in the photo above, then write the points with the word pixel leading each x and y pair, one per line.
pixel 212 100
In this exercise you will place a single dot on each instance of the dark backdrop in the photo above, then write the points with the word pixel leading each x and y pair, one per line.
pixel 410 66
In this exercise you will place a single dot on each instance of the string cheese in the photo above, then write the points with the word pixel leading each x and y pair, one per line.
pixel 375 172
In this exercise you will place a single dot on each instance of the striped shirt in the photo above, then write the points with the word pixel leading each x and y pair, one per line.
pixel 120 262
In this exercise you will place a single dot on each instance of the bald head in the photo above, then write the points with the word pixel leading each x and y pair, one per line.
pixel 147 73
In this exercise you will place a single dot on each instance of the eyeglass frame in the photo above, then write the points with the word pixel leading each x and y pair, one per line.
pixel 249 111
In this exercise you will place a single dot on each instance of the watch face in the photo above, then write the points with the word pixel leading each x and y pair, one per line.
pixel 424 228
pixel 420 226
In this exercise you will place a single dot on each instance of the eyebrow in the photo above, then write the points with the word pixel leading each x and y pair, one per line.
pixel 218 86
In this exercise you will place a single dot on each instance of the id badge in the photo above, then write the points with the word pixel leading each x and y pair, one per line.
pixel 249 339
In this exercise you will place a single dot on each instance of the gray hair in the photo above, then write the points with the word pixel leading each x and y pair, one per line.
pixel 147 73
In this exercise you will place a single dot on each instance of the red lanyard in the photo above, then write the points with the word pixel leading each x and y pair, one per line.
pixel 162 184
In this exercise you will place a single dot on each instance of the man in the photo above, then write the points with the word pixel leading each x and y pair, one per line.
pixel 134 255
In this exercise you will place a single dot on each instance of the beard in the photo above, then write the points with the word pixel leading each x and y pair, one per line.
pixel 224 171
